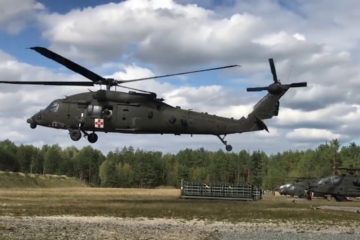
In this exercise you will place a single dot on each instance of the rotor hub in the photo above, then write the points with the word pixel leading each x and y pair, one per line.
pixel 275 88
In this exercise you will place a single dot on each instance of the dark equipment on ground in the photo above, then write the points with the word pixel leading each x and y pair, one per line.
pixel 339 187
pixel 195 190
pixel 141 112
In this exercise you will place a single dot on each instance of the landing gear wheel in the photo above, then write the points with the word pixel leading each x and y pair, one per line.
pixel 92 137
pixel 33 125
pixel 309 195
pixel 75 135
pixel 222 139
pixel 228 148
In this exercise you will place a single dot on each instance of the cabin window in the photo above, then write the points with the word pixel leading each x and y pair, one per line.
pixel 94 110
pixel 54 106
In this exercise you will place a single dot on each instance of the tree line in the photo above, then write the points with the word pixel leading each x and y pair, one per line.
pixel 129 167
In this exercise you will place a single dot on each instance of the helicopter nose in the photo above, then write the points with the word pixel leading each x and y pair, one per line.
pixel 30 120
pixel 32 123
pixel 34 120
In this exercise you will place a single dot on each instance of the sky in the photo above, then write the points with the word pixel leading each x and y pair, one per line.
pixel 314 41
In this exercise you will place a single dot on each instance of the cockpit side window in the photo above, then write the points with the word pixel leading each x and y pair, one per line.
pixel 53 107
pixel 324 180
pixel 335 179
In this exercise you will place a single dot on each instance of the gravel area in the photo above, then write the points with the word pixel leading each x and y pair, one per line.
pixel 72 227
pixel 340 208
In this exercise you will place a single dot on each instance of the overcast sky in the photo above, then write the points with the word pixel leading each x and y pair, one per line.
pixel 314 41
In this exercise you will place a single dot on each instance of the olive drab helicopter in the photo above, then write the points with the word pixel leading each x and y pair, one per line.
pixel 298 188
pixel 141 112
pixel 339 186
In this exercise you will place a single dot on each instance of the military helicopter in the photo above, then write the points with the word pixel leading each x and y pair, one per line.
pixel 298 188
pixel 338 186
pixel 141 112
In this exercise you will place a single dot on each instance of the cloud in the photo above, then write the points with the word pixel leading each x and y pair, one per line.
pixel 312 134
pixel 16 14
pixel 329 117
pixel 150 30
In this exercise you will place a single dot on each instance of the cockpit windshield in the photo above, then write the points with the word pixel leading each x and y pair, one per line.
pixel 328 180
pixel 324 180
pixel 54 106
pixel 335 179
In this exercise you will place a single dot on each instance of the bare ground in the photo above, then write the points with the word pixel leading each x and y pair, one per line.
pixel 94 213
pixel 73 227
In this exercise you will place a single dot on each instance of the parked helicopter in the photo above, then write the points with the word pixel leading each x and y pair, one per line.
pixel 141 112
pixel 338 186
pixel 298 188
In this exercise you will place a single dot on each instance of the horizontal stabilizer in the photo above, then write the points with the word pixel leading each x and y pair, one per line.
pixel 261 125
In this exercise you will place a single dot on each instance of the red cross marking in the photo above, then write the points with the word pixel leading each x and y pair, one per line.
pixel 99 123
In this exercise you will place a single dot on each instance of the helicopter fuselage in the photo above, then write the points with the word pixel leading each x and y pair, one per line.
pixel 111 111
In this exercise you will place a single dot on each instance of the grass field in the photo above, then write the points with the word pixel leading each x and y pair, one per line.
pixel 22 180
pixel 164 203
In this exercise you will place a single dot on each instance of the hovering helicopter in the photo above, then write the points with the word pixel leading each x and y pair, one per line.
pixel 338 186
pixel 141 112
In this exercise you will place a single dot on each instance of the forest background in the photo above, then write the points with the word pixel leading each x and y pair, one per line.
pixel 129 167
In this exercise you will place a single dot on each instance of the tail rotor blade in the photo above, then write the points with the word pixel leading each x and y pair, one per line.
pixel 256 89
pixel 299 84
pixel 273 70
pixel 276 88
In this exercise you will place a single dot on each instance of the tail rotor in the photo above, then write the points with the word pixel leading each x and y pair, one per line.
pixel 277 87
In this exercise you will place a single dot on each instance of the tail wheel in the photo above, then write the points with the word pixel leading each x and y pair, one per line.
pixel 228 148
pixel 92 137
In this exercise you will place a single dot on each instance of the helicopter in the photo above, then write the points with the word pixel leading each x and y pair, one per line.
pixel 142 112
pixel 297 188
pixel 338 186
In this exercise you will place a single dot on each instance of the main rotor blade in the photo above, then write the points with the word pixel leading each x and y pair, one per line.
pixel 50 83
pixel 69 64
pixel 273 70
pixel 176 74
pixel 136 89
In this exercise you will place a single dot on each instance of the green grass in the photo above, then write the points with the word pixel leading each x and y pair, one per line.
pixel 21 180
pixel 163 203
